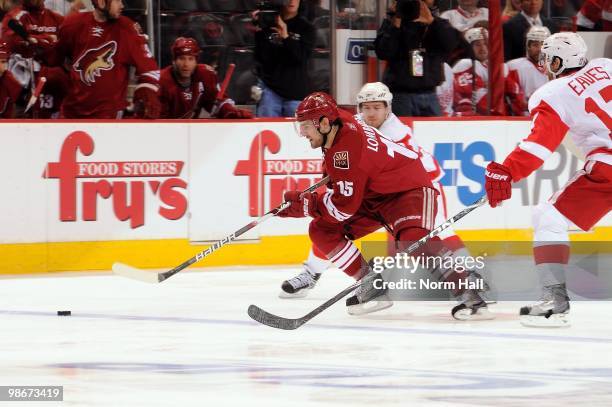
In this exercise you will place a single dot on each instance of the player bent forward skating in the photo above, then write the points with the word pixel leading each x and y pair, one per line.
pixel 374 106
pixel 375 183
pixel 577 99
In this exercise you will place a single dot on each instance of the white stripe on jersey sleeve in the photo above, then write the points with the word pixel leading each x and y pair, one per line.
pixel 536 149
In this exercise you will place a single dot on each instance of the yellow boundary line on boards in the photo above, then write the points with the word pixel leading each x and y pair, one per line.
pixel 33 258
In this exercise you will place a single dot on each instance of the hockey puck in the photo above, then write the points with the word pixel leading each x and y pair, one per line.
pixel 64 313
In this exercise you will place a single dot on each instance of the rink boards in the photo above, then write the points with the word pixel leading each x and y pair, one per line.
pixel 82 195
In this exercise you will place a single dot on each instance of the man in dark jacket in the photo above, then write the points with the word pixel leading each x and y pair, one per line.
pixel 516 28
pixel 415 43
pixel 282 51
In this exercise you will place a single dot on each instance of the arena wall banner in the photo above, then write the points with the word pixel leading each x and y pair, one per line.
pixel 81 195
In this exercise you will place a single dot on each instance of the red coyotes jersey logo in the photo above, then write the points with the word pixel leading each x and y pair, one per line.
pixel 341 160
pixel 93 61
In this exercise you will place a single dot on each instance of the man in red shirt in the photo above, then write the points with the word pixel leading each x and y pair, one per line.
pixel 102 46
pixel 186 87
pixel 375 182
pixel 9 87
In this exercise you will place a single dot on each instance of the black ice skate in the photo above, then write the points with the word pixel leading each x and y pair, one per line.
pixel 550 311
pixel 471 308
pixel 300 285
pixel 368 298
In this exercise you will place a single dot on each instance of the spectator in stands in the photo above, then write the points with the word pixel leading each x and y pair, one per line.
pixel 283 47
pixel 101 46
pixel 186 87
pixel 466 14
pixel 595 15
pixel 10 89
pixel 516 28
pixel 415 43
pixel 471 77
pixel 527 71
pixel 512 8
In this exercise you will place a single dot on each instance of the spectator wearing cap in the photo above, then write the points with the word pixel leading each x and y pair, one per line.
pixel 187 87
pixel 283 47
pixel 516 28
pixel 466 14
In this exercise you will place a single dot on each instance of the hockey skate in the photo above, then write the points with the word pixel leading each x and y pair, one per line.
pixel 367 298
pixel 472 307
pixel 551 311
pixel 300 285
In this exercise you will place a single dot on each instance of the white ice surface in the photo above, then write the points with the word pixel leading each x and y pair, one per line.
pixel 189 342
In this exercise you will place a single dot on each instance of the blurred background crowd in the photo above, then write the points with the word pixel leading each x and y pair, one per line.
pixel 112 59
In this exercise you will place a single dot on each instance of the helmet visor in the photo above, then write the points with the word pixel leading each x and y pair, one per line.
pixel 304 128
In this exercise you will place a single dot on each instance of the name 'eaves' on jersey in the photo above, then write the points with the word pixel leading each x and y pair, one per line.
pixel 579 104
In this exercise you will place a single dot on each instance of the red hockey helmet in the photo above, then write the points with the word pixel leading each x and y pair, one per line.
pixel 316 106
pixel 185 46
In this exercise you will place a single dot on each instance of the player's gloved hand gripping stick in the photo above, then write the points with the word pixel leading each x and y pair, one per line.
pixel 275 321
pixel 150 277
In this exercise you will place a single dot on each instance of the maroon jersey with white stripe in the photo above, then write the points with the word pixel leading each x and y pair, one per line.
pixel 579 104
pixel 178 100
pixel 100 55
pixel 364 167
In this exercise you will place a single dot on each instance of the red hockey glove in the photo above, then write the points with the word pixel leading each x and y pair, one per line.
pixel 229 111
pixel 146 103
pixel 498 183
pixel 300 207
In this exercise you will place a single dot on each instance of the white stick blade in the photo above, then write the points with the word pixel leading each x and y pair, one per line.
pixel 135 274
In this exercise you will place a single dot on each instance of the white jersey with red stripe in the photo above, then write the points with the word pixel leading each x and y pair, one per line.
pixel 580 104
pixel 395 130
pixel 529 76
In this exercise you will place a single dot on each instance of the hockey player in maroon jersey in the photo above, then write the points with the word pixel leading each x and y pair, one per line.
pixel 375 182
pixel 186 87
pixel 41 26
pixel 576 103
pixel 101 46
pixel 9 87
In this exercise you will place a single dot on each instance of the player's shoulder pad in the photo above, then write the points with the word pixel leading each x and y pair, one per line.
pixel 606 63
pixel 462 65
pixel 547 93
pixel 515 63
pixel 165 73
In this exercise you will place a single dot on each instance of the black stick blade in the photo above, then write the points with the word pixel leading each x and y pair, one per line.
pixel 274 321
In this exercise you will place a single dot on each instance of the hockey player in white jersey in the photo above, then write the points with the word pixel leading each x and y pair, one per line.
pixel 577 100
pixel 374 106
pixel 527 71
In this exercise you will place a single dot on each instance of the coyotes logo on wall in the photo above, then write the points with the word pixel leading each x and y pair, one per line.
pixel 93 61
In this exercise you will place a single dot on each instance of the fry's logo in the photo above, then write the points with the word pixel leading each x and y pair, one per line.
pixel 67 170
pixel 282 172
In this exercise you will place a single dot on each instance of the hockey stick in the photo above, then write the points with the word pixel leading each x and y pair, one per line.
pixel 266 318
pixel 36 93
pixel 149 277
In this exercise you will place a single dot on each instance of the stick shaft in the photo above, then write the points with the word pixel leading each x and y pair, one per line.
pixel 275 321
pixel 231 237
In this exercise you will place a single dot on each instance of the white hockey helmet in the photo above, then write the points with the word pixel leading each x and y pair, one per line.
pixel 374 92
pixel 569 47
pixel 537 33
pixel 475 34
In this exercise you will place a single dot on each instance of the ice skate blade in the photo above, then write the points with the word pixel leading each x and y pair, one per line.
pixel 554 321
pixel 466 314
pixel 371 306
pixel 300 294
